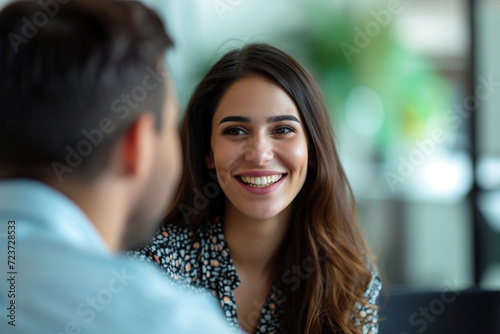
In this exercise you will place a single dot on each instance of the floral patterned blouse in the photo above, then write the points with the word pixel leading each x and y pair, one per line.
pixel 200 261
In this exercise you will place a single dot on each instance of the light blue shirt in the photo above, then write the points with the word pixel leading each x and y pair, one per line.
pixel 59 277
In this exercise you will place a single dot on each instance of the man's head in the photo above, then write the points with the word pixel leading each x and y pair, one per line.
pixel 84 94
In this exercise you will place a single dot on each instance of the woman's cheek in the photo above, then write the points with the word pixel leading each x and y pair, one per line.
pixel 295 154
pixel 226 155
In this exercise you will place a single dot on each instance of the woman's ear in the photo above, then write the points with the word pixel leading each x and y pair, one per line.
pixel 209 160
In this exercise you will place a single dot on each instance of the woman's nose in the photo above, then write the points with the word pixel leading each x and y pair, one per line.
pixel 259 150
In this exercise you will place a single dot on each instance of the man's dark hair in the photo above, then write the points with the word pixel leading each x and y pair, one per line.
pixel 74 75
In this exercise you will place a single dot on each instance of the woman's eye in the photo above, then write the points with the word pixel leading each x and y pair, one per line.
pixel 284 130
pixel 234 132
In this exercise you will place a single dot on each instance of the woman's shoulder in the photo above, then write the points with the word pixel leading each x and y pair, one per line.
pixel 368 313
pixel 374 286
pixel 167 244
pixel 181 251
pixel 173 236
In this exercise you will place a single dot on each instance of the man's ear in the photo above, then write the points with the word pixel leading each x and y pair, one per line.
pixel 209 160
pixel 139 142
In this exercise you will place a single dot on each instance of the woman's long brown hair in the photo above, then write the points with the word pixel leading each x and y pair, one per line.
pixel 324 237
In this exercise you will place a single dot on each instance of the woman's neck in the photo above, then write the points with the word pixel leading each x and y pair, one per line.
pixel 254 243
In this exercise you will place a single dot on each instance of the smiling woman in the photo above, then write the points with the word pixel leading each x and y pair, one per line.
pixel 280 245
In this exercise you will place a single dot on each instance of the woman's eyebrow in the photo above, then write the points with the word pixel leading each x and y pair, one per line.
pixel 235 119
pixel 280 118
pixel 272 119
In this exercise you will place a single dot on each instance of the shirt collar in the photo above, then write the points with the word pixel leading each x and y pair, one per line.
pixel 49 211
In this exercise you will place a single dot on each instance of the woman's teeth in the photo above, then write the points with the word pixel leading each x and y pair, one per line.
pixel 260 182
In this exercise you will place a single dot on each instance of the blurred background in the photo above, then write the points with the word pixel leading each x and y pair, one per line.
pixel 413 88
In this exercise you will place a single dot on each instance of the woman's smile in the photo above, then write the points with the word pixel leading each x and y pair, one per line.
pixel 260 182
pixel 261 185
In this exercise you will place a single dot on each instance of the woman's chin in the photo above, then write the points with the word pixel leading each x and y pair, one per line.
pixel 261 213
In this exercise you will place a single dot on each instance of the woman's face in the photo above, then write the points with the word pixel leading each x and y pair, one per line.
pixel 259 148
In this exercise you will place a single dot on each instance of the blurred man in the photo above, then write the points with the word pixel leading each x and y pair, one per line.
pixel 89 160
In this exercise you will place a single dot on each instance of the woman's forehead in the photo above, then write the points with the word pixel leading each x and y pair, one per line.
pixel 255 98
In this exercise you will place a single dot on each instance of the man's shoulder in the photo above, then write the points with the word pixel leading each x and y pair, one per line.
pixel 64 287
pixel 155 306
